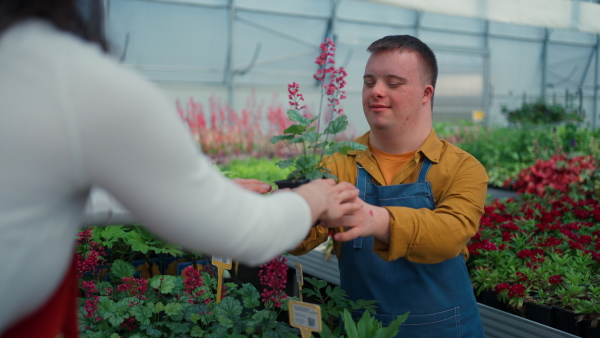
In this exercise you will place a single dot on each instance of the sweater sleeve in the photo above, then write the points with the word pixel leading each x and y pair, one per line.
pixel 132 143
pixel 432 236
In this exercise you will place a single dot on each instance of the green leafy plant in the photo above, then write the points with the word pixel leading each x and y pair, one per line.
pixel 506 151
pixel 310 141
pixel 173 305
pixel 117 300
pixel 336 306
pixel 542 112
pixel 369 327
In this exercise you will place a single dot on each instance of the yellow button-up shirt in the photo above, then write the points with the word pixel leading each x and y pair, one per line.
pixel 459 184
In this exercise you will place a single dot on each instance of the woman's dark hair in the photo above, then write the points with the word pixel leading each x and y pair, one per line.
pixel 82 18
pixel 409 42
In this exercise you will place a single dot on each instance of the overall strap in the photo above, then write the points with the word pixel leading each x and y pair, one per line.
pixel 424 170
pixel 362 180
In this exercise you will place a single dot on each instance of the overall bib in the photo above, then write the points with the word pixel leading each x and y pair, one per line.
pixel 439 296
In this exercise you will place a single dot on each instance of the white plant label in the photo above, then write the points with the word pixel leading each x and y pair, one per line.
pixel 305 316
pixel 225 261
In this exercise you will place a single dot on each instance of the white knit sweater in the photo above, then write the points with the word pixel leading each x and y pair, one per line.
pixel 71 118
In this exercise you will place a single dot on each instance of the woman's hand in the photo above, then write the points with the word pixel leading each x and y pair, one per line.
pixel 253 185
pixel 328 200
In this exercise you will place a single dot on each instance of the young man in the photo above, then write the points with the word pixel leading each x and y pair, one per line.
pixel 406 248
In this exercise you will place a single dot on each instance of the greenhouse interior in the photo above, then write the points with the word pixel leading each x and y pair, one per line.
pixel 517 93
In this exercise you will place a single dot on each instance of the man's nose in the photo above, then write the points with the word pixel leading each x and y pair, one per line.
pixel 377 90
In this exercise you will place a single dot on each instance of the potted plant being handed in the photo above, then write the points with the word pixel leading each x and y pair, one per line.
pixel 312 141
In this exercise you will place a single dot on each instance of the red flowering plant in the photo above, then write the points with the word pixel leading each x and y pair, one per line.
pixel 555 175
pixel 313 137
pixel 223 133
pixel 540 250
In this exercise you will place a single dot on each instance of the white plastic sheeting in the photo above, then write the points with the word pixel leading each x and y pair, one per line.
pixel 565 14
pixel 491 53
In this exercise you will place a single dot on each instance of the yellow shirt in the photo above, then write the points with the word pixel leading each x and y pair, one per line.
pixel 390 163
pixel 459 184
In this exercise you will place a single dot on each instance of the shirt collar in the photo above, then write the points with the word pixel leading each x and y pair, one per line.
pixel 431 148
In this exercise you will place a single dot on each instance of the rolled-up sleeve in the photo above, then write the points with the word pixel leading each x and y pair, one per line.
pixel 432 236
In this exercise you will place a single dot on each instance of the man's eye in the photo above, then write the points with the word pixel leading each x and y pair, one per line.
pixel 369 83
pixel 394 84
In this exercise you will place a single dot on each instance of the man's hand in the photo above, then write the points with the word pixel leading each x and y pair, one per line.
pixel 369 220
pixel 253 185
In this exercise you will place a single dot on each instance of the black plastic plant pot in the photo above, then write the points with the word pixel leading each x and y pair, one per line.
pixel 283 184
pixel 566 321
pixel 540 313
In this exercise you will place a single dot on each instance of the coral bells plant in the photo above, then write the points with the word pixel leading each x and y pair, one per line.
pixel 310 137
pixel 273 277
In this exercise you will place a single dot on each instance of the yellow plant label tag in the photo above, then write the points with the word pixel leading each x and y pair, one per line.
pixel 305 316
pixel 299 279
pixel 222 263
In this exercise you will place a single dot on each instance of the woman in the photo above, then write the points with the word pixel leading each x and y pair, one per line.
pixel 71 118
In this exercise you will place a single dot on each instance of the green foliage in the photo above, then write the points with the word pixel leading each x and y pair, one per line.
pixel 126 240
pixel 309 163
pixel 262 169
pixel 335 305
pixel 506 151
pixel 542 112
pixel 164 309
pixel 370 327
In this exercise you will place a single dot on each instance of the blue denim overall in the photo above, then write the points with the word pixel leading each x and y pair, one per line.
pixel 439 296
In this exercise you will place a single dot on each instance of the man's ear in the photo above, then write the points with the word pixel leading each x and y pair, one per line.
pixel 427 94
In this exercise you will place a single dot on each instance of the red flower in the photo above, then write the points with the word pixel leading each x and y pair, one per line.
pixel 517 290
pixel 273 276
pixel 522 277
pixel 501 287
pixel 556 279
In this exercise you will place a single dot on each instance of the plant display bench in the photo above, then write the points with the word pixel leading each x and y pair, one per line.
pixel 496 323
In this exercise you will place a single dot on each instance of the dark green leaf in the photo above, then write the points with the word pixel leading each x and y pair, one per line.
pixel 338 125
pixel 250 296
pixel 391 330
pixel 228 311
pixel 278 138
pixel 344 147
pixel 294 115
pixel 121 269
pixel 286 163
pixel 305 163
pixel 314 174
pixel 151 331
pixel 141 314
pixel 197 332
pixel 173 309
pixel 349 324
pixel 295 129
pixel 137 242
pixel 310 137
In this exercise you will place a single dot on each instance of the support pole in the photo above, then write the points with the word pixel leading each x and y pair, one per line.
pixel 596 84
pixel 544 62
pixel 487 75
pixel 228 76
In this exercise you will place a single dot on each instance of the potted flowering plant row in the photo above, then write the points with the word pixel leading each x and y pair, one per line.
pixel 310 138
pixel 542 252
pixel 117 300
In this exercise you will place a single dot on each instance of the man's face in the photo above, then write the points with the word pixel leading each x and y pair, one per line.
pixel 394 91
